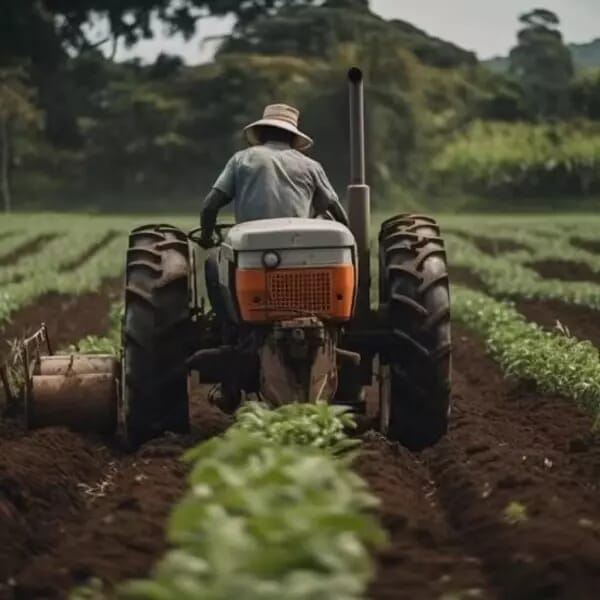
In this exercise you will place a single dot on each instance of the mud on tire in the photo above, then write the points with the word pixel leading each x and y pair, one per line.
pixel 154 333
pixel 414 288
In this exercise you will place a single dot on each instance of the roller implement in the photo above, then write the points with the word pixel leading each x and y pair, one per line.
pixel 295 323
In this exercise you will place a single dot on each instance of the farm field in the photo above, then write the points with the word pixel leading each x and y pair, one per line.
pixel 506 506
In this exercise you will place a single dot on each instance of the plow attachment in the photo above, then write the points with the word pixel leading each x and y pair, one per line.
pixel 79 392
pixel 61 390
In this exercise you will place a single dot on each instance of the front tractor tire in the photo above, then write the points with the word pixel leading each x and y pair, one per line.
pixel 414 289
pixel 156 321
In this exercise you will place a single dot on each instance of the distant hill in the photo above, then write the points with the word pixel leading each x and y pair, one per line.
pixel 585 56
pixel 431 50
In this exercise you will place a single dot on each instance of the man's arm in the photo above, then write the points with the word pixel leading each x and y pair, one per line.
pixel 222 193
pixel 326 200
pixel 213 203
pixel 338 213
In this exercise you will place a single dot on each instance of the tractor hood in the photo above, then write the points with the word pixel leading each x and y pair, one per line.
pixel 273 234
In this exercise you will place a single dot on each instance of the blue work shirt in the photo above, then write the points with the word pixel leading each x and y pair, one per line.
pixel 273 181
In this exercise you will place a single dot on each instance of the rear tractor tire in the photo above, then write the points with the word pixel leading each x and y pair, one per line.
pixel 414 289
pixel 155 328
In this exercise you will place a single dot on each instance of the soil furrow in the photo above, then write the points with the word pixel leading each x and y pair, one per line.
pixel 466 277
pixel 120 532
pixel 423 558
pixel 40 478
pixel 490 245
pixel 518 477
pixel 507 506
pixel 564 270
pixel 589 245
pixel 72 507
pixel 32 246
pixel 69 318
pixel 90 252
pixel 582 322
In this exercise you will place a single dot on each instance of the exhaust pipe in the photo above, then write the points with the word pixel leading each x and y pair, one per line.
pixel 359 193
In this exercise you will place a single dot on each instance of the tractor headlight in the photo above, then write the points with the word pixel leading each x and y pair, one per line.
pixel 271 259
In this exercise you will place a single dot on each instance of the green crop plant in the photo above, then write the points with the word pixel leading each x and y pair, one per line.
pixel 13 240
pixel 555 362
pixel 54 256
pixel 537 246
pixel 108 344
pixel 322 426
pixel 48 268
pixel 274 511
pixel 108 262
pixel 507 277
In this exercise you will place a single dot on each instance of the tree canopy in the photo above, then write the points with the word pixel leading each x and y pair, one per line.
pixel 157 134
pixel 542 64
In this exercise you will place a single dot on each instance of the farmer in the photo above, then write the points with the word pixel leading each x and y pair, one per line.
pixel 272 178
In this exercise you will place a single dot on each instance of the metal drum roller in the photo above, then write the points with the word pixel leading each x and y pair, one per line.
pixel 79 392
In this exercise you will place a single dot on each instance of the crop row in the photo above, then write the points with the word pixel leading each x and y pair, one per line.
pixel 504 276
pixel 558 249
pixel 13 240
pixel 556 362
pixel 529 231
pixel 55 256
pixel 273 511
pixel 107 344
pixel 537 247
pixel 44 276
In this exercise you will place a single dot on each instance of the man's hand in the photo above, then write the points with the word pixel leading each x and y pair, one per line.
pixel 206 241
pixel 215 200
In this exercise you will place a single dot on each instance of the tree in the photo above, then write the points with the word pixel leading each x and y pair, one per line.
pixel 542 64
pixel 44 33
pixel 16 109
pixel 250 10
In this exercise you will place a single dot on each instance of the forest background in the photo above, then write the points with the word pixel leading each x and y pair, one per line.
pixel 80 131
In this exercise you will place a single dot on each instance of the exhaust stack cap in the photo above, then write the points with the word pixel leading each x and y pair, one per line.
pixel 355 75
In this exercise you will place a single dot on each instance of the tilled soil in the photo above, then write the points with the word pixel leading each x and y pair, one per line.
pixel 565 270
pixel 119 532
pixel 90 252
pixel 507 506
pixel 68 318
pixel 518 479
pixel 40 475
pixel 466 277
pixel 489 245
pixel 424 557
pixel 582 322
pixel 27 248
pixel 589 245
pixel 74 508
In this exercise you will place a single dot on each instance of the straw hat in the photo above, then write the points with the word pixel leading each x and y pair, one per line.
pixel 281 116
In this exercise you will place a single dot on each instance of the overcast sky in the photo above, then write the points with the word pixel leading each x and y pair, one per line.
pixel 486 26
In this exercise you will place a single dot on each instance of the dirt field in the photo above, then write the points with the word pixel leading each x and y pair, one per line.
pixel 508 506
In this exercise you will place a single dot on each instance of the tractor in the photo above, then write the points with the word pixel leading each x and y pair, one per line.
pixel 297 323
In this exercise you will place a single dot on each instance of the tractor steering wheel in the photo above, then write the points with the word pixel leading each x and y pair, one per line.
pixel 196 234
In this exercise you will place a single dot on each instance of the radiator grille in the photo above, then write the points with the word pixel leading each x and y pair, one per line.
pixel 306 290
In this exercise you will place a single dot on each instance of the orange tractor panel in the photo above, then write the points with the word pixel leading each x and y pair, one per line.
pixel 266 295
